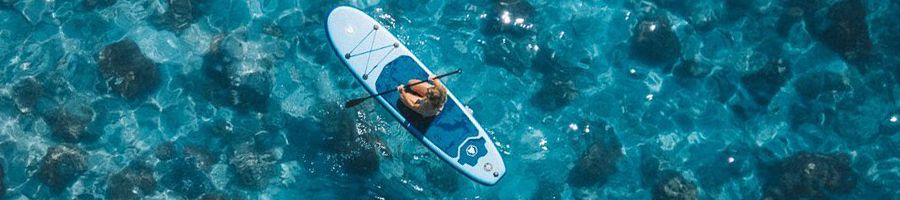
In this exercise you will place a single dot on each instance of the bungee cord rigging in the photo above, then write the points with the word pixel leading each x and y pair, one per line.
pixel 369 69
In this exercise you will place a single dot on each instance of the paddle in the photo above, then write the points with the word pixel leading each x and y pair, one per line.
pixel 357 101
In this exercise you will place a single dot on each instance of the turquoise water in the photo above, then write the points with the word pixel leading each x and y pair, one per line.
pixel 622 99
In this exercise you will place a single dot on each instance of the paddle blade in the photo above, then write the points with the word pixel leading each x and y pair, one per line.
pixel 354 102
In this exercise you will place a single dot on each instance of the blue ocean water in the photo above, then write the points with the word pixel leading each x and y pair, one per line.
pixel 619 99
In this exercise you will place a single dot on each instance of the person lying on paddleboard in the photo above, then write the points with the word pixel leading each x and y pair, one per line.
pixel 426 99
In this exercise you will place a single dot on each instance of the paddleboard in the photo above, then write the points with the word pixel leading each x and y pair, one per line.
pixel 380 62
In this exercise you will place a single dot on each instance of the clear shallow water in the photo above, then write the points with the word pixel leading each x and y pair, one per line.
pixel 587 100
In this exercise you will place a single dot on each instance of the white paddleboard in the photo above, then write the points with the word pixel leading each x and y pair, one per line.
pixel 380 62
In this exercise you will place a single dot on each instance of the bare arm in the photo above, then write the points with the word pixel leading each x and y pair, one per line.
pixel 409 99
pixel 437 83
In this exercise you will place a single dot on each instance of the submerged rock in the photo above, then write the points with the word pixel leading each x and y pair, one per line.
pixel 673 186
pixel 558 86
pixel 822 86
pixel 132 182
pixel 126 70
pixel 502 51
pixel 187 179
pixel 221 128
pixel 511 17
pixel 27 91
pixel 764 83
pixel 354 141
pixel 600 160
pixel 849 31
pixel 199 157
pixel 166 151
pixel 61 166
pixel 811 175
pixel 844 27
pixel 253 169
pixel 363 162
pixel 595 165
pixel 70 123
pixel 804 117
pixel 692 68
pixel 654 41
pixel 556 93
pixel 242 84
pixel 794 11
pixel 803 7
pixel 179 15
pixel 443 177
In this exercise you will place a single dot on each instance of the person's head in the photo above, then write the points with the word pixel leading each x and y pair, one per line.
pixel 439 97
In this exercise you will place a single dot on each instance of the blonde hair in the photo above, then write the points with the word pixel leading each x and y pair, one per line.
pixel 436 96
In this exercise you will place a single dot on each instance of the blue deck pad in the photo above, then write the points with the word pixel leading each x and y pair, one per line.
pixel 472 159
pixel 447 130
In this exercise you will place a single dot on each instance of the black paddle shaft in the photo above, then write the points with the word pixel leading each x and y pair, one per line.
pixel 355 102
